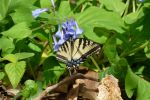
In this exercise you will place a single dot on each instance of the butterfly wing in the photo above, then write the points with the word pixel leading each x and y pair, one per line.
pixel 73 52
pixel 65 51
pixel 83 48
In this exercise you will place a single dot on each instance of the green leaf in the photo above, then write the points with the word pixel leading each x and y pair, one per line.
pixel 143 90
pixel 102 18
pixel 110 50
pixel 15 72
pixel 118 69
pixel 4 5
pixel 88 32
pixel 45 3
pixel 11 57
pixel 29 89
pixel 23 55
pixel 64 13
pixel 134 16
pixel 6 45
pixel 34 47
pixel 18 31
pixel 131 83
pixel 147 50
pixel 22 15
pixel 18 56
pixel 2 74
pixel 52 70
pixel 136 85
pixel 114 5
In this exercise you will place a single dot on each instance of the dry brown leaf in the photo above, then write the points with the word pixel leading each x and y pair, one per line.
pixel 89 87
pixel 109 89
pixel 73 93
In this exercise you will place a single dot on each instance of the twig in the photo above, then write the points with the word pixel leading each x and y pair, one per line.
pixel 67 79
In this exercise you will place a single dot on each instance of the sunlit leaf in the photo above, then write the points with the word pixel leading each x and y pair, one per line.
pixel 23 55
pixel 34 47
pixel 22 15
pixel 2 74
pixel 64 13
pixel 15 72
pixel 6 45
pixel 4 5
pixel 137 85
pixel 29 89
pixel 11 58
pixel 18 31
pixel 102 18
pixel 45 3
pixel 114 5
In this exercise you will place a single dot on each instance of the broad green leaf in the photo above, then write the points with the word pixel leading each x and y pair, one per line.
pixel 136 85
pixel 29 89
pixel 2 74
pixel 6 45
pixel 133 17
pixel 110 50
pixel 88 32
pixel 15 72
pixel 64 10
pixel 102 18
pixel 4 5
pixel 131 83
pixel 114 5
pixel 52 70
pixel 22 15
pixel 11 57
pixel 45 3
pixel 18 31
pixel 18 56
pixel 143 90
pixel 23 55
pixel 34 47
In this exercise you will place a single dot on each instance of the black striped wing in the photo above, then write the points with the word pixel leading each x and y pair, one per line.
pixel 73 52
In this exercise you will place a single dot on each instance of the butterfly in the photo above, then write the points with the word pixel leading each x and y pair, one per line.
pixel 73 52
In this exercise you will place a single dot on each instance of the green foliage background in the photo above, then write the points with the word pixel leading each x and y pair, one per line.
pixel 27 58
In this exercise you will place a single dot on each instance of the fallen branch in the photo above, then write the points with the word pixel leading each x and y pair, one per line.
pixel 67 79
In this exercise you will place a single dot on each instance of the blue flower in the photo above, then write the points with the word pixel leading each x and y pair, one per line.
pixel 78 31
pixel 56 44
pixel 141 0
pixel 71 29
pixel 37 12
pixel 68 29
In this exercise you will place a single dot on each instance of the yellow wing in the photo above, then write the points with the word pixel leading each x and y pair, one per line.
pixel 73 52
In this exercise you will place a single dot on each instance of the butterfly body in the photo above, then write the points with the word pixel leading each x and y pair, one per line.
pixel 74 51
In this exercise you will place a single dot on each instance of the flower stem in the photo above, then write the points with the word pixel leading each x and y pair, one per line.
pixel 134 50
pixel 127 6
pixel 93 60
pixel 133 4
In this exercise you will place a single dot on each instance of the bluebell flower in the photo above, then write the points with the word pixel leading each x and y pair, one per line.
pixel 68 29
pixel 71 29
pixel 141 0
pixel 78 31
pixel 37 12
pixel 56 44
pixel 58 33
